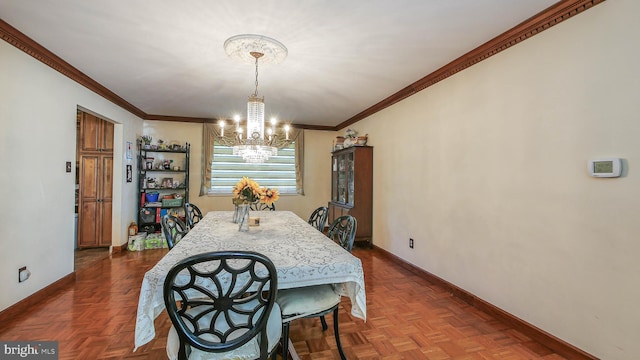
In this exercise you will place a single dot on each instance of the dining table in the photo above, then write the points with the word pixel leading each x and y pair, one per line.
pixel 302 255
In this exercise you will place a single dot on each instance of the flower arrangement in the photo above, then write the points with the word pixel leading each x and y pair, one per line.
pixel 248 191
pixel 351 134
pixel 351 138
pixel 146 139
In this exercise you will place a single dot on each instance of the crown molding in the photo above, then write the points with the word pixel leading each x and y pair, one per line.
pixel 14 37
pixel 553 15
pixel 177 118
pixel 213 121
pixel 536 24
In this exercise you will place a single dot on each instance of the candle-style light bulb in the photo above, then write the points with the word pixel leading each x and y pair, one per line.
pixel 236 118
pixel 239 130
pixel 270 132
pixel 221 124
pixel 286 132
pixel 273 121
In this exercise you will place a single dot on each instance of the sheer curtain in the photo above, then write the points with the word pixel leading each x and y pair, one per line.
pixel 211 131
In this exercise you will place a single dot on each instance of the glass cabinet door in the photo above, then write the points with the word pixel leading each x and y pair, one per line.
pixel 342 172
pixel 342 179
pixel 349 171
pixel 343 188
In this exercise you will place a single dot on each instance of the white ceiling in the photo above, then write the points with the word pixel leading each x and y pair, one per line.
pixel 167 58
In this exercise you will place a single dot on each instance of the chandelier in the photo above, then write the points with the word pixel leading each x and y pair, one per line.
pixel 257 145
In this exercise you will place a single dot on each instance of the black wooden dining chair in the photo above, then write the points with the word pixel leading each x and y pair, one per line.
pixel 343 231
pixel 318 218
pixel 173 229
pixel 259 206
pixel 222 306
pixel 317 300
pixel 192 214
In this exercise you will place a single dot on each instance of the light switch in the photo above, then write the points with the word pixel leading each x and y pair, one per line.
pixel 68 166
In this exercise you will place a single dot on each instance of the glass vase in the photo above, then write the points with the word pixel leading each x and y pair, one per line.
pixel 243 217
pixel 236 213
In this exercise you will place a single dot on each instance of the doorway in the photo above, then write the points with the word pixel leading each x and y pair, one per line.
pixel 94 186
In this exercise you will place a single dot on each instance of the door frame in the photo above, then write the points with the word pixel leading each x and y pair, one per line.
pixel 118 173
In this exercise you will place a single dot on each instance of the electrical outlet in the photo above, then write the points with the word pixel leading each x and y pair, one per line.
pixel 23 274
pixel 410 243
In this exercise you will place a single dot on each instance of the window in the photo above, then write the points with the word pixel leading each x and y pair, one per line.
pixel 278 172
pixel 222 170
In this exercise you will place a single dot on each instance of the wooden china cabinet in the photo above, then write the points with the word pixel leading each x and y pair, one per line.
pixel 352 188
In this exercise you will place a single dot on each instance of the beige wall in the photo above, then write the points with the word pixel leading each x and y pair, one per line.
pixel 37 138
pixel 317 172
pixel 487 172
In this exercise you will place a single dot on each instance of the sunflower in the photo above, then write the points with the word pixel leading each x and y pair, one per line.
pixel 246 191
pixel 269 196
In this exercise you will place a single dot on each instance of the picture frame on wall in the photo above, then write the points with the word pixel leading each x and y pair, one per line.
pixel 129 173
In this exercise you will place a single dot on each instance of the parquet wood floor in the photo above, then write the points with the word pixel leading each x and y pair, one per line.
pixel 87 257
pixel 407 318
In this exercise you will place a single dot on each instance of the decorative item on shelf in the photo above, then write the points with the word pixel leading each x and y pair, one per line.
pixel 149 163
pixel 258 145
pixel 362 140
pixel 146 139
pixel 339 142
pixel 167 182
pixel 151 183
pixel 161 145
pixel 351 138
pixel 248 191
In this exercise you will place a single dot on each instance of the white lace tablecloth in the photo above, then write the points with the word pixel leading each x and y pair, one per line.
pixel 301 254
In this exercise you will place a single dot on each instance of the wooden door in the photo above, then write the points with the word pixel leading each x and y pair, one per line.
pixel 90 133
pixel 96 135
pixel 88 195
pixel 106 200
pixel 95 152
pixel 106 138
pixel 96 200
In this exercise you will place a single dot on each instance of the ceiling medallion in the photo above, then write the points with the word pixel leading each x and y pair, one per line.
pixel 240 47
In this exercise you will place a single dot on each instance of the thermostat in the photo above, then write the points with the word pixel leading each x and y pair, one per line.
pixel 607 167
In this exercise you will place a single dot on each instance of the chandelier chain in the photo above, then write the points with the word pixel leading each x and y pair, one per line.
pixel 255 94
